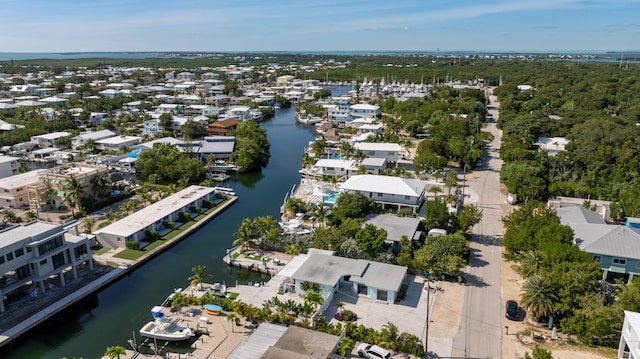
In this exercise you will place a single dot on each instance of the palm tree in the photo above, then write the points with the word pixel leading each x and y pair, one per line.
pixel 291 250
pixel 88 222
pixel 538 296
pixel 317 147
pixel 435 190
pixel 199 275
pixel 101 186
pixel 451 181
pixel 128 206
pixel 10 216
pixel 389 336
pixel 244 233
pixel 437 175
pixel 231 317
pixel 182 183
pixel 110 215
pixel 531 263
pixel 30 216
pixel 345 346
pixel 345 149
pixel 178 299
pixel 115 352
pixel 340 307
pixel 319 213
pixel 74 192
pixel 314 299
pixel 263 225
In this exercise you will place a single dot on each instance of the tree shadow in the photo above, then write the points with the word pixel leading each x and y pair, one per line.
pixel 475 260
pixel 473 280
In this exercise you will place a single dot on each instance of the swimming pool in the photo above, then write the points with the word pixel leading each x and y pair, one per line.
pixel 331 199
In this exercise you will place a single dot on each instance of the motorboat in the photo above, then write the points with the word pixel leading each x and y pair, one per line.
pixel 165 328
pixel 224 190
pixel 222 166
pixel 218 176
pixel 294 225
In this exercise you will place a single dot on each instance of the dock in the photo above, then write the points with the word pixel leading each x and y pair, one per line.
pixel 24 318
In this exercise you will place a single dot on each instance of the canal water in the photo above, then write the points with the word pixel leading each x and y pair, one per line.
pixel 111 316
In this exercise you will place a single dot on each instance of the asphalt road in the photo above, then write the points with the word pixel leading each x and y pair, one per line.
pixel 480 333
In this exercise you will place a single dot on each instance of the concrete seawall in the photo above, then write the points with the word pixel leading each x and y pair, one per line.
pixel 123 268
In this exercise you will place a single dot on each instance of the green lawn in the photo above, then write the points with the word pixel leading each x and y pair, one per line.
pixel 101 250
pixel 256 257
pixel 133 254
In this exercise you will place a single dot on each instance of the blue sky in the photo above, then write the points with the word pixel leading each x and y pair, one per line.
pixel 311 25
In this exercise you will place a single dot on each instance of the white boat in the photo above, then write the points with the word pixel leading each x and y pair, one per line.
pixel 222 166
pixel 294 226
pixel 165 328
pixel 218 176
pixel 224 190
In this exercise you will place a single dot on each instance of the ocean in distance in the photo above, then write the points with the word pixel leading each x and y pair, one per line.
pixel 597 55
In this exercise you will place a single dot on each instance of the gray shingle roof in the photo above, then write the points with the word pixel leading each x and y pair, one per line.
pixel 578 214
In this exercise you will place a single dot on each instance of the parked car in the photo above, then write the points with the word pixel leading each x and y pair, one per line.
pixel 513 310
pixel 373 352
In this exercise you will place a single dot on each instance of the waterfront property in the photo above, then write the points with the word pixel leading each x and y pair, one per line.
pixel 615 247
pixel 388 151
pixel 36 251
pixel 390 192
pixel 153 217
pixel 83 138
pixel 223 127
pixel 377 281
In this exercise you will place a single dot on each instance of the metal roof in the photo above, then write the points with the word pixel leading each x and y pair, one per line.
pixel 265 336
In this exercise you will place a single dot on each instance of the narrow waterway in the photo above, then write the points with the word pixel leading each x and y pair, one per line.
pixel 112 315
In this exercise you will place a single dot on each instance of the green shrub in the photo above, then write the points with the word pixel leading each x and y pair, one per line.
pixel 168 224
pixel 132 244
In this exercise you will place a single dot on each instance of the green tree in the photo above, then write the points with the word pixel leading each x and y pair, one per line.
pixel 442 254
pixel 30 216
pixel 74 191
pixel 164 162
pixel 252 147
pixel 531 263
pixel 468 217
pixel 538 296
pixel 88 222
pixel 244 234
pixel 451 180
pixel 538 353
pixel 166 122
pixel 199 275
pixel 115 352
pixel 371 240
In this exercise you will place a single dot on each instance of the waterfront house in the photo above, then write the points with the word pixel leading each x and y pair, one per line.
pixel 48 139
pixel 365 110
pixel 630 336
pixel 334 167
pixel 220 147
pixel 388 151
pixel 117 143
pixel 377 281
pixel 390 192
pixel 83 138
pixel 153 217
pixel 616 248
pixel 36 252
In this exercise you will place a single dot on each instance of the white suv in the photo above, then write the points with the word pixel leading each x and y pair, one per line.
pixel 373 352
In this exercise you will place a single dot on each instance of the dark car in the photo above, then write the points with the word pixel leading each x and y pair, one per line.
pixel 513 311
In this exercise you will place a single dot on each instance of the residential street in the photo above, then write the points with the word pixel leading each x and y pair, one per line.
pixel 480 335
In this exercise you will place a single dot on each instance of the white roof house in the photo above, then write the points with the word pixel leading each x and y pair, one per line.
pixel 388 190
pixel 389 151
pixel 82 138
pixel 552 145
pixel 118 142
pixel 630 336
pixel 133 226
